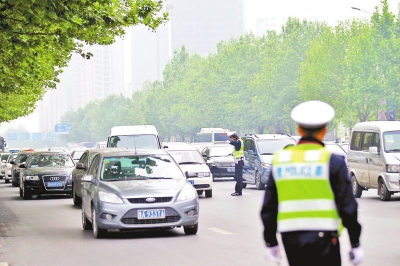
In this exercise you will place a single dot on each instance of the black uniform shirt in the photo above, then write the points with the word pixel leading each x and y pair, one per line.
pixel 342 190
pixel 236 143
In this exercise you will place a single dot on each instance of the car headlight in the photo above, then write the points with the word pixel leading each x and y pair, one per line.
pixel 205 174
pixel 109 197
pixel 32 177
pixel 392 168
pixel 187 193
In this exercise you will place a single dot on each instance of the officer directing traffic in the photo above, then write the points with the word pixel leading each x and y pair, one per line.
pixel 309 196
pixel 238 156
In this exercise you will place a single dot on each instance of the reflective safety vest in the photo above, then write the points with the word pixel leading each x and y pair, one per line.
pixel 305 198
pixel 240 153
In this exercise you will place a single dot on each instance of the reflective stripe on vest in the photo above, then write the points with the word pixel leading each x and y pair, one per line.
pixel 305 197
pixel 240 153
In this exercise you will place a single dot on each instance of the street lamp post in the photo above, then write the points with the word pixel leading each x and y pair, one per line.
pixel 359 9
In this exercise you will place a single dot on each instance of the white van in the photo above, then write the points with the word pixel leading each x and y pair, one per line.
pixel 374 158
pixel 134 137
pixel 101 145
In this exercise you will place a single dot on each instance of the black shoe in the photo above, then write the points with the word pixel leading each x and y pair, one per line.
pixel 236 194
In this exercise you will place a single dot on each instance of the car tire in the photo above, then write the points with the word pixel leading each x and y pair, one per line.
pixel 209 193
pixel 86 224
pixel 357 189
pixel 77 200
pixel 259 184
pixel 20 192
pixel 384 193
pixel 191 230
pixel 244 185
pixel 25 194
pixel 7 181
pixel 200 192
pixel 97 232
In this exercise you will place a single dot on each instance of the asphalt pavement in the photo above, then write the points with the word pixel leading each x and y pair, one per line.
pixel 47 231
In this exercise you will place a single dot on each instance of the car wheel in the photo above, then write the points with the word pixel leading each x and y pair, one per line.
pixel 384 193
pixel 244 185
pixel 86 224
pixel 191 230
pixel 259 184
pixel 97 232
pixel 77 200
pixel 25 194
pixel 7 180
pixel 209 193
pixel 20 192
pixel 357 189
pixel 200 192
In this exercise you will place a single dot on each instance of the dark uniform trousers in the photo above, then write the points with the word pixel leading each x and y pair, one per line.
pixel 239 176
pixel 312 248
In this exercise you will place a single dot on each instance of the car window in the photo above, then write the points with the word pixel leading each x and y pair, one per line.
pixel 391 141
pixel 92 155
pixel 219 151
pixel 249 145
pixel 4 156
pixel 355 141
pixel 94 167
pixel 83 158
pixel 366 141
pixel 139 167
pixel 134 141
pixel 376 142
pixel 186 156
pixel 270 146
pixel 22 158
pixel 77 155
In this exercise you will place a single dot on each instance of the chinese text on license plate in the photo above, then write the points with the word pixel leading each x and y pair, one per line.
pixel 151 214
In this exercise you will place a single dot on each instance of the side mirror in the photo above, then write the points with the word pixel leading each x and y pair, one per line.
pixel 373 150
pixel 22 165
pixel 80 166
pixel 88 178
pixel 12 162
pixel 251 152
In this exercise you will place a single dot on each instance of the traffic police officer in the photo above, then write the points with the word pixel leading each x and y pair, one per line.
pixel 238 156
pixel 309 197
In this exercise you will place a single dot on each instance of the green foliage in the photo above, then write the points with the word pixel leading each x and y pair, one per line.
pixel 37 38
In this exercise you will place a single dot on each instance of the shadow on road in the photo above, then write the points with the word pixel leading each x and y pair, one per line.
pixel 139 234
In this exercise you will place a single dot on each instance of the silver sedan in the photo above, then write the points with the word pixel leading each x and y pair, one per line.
pixel 137 189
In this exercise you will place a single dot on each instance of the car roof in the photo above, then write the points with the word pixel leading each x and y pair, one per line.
pixel 378 125
pixel 269 136
pixel 133 130
pixel 181 148
pixel 122 152
pixel 49 152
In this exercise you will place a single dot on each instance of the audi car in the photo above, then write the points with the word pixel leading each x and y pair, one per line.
pixel 46 173
pixel 137 189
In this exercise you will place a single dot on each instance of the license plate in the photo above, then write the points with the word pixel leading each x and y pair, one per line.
pixel 151 214
pixel 231 169
pixel 54 184
pixel 191 182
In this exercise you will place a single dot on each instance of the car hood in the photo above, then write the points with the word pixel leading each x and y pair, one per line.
pixel 392 158
pixel 197 168
pixel 224 159
pixel 144 188
pixel 49 170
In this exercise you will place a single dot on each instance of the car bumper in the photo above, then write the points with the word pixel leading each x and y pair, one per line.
pixel 222 171
pixel 39 189
pixel 124 216
pixel 392 181
pixel 202 183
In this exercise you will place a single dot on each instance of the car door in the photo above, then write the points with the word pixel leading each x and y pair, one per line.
pixel 88 188
pixel 79 173
pixel 376 167
pixel 249 163
pixel 364 158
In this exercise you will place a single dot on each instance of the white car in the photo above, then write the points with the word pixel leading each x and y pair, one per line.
pixel 7 168
pixel 3 160
pixel 193 165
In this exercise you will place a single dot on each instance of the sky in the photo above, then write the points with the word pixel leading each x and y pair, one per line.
pixel 331 11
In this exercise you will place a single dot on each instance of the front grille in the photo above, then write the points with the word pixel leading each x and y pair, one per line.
pixel 171 216
pixel 167 219
pixel 201 186
pixel 227 164
pixel 157 200
pixel 47 179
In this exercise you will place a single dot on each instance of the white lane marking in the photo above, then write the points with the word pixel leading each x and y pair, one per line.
pixel 219 231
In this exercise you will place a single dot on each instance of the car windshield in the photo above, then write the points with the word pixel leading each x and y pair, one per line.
pixel 134 141
pixel 4 156
pixel 22 158
pixel 140 167
pixel 187 157
pixel 51 160
pixel 268 147
pixel 391 140
pixel 218 151
pixel 333 147
pixel 77 155
pixel 12 157
pixel 92 156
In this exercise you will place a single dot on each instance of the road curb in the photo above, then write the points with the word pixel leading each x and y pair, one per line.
pixel 3 264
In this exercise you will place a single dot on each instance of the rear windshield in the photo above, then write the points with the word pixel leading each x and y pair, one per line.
pixel 268 147
pixel 139 167
pixel 134 142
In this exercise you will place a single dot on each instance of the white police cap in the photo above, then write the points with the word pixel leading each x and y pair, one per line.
pixel 230 133
pixel 313 114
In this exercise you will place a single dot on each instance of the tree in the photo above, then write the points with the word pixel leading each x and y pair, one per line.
pixel 38 37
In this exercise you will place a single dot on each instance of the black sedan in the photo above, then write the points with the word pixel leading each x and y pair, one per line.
pixel 46 173
pixel 219 158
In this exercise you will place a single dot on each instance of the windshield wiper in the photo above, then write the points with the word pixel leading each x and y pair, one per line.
pixel 266 153
pixel 190 163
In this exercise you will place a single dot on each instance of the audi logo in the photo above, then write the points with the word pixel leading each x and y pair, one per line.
pixel 54 178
